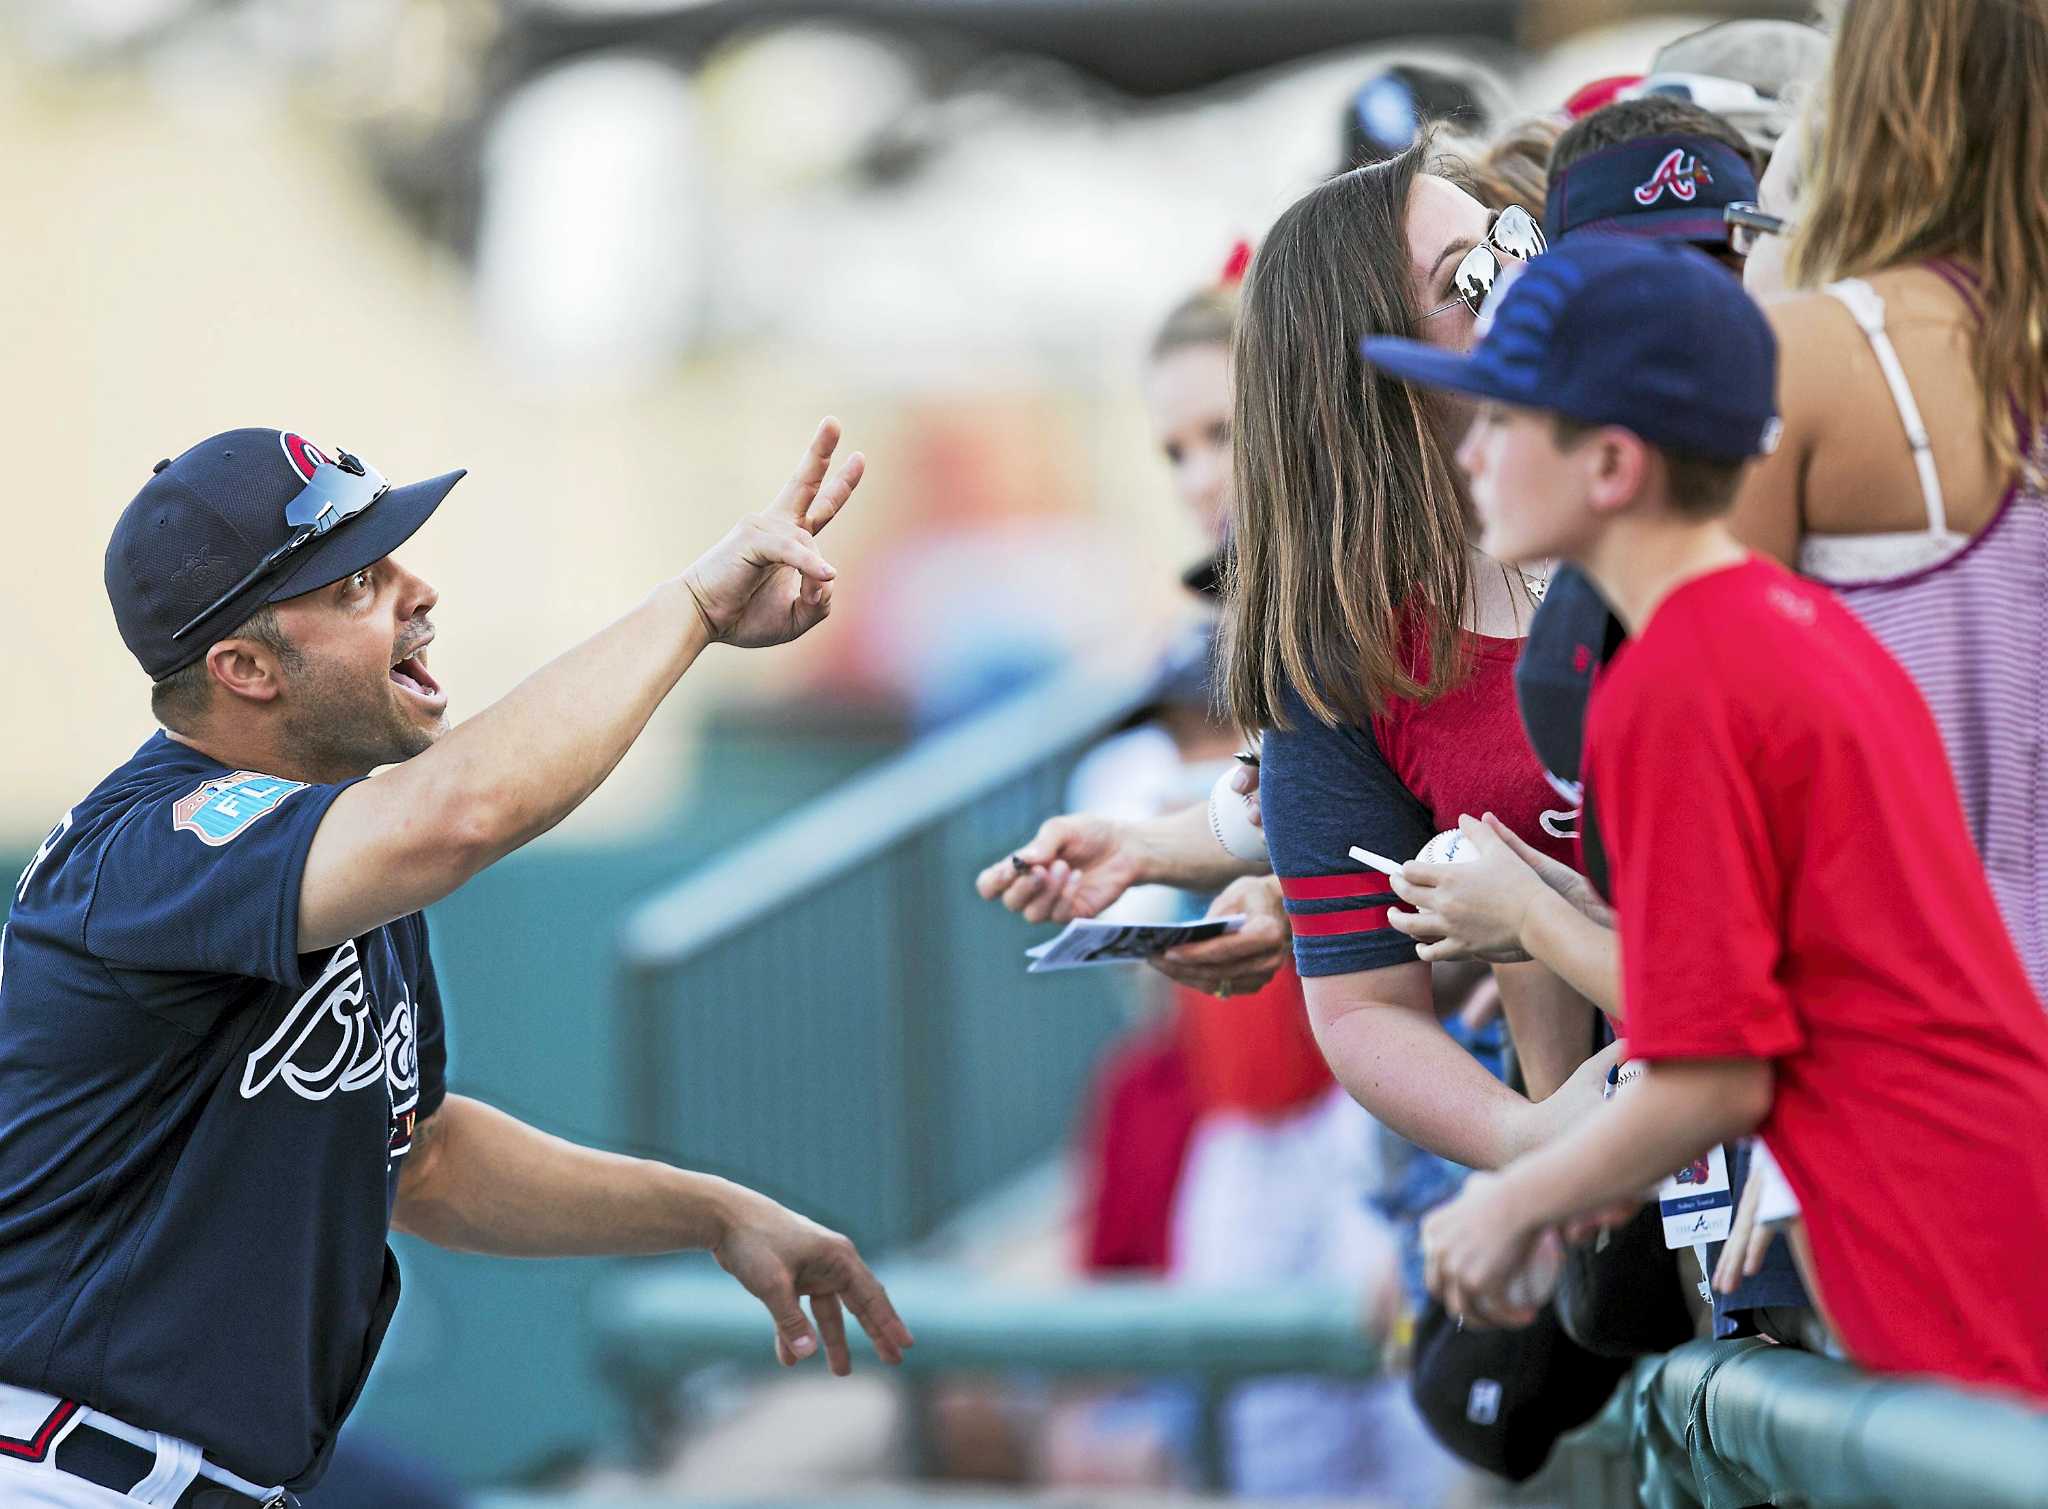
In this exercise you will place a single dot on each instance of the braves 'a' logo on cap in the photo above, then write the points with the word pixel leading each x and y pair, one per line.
pixel 1679 172
pixel 306 457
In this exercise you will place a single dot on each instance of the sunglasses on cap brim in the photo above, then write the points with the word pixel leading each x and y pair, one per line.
pixel 337 491
pixel 1514 233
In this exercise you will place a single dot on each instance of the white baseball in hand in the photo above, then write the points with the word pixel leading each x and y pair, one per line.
pixel 1231 823
pixel 1449 847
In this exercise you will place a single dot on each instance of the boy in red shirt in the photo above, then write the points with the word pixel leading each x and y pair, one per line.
pixel 1809 947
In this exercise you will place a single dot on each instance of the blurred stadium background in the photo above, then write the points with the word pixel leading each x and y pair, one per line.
pixel 615 256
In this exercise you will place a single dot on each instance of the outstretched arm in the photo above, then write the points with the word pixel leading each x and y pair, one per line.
pixel 478 1180
pixel 1078 865
pixel 391 845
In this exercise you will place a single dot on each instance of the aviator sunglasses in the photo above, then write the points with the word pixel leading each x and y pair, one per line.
pixel 1514 233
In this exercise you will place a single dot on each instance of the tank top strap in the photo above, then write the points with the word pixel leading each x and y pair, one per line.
pixel 2027 430
pixel 1866 307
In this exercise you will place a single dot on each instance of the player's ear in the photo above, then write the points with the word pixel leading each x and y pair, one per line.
pixel 246 669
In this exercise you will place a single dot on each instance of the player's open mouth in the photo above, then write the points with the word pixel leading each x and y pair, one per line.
pixel 411 673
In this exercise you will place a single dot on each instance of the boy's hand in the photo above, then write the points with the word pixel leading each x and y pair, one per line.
pixel 1472 1246
pixel 1471 909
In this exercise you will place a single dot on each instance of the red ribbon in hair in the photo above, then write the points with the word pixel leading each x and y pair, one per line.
pixel 1233 268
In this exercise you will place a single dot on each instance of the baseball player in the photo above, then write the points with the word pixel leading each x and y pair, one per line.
pixel 221 1050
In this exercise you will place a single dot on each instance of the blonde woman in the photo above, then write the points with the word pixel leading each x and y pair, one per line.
pixel 1914 384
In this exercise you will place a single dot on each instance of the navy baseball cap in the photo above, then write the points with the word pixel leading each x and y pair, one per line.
pixel 1652 336
pixel 205 520
pixel 1670 187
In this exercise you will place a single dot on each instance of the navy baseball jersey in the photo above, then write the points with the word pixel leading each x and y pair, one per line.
pixel 201 1128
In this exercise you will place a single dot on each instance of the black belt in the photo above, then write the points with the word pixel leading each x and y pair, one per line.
pixel 109 1461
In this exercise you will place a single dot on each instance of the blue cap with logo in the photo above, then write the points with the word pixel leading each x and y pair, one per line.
pixel 1669 187
pixel 244 518
pixel 1652 336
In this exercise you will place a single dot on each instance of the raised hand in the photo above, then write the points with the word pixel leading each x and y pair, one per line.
pixel 765 583
pixel 781 1258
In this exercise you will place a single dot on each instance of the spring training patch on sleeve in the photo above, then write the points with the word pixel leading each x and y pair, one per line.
pixel 222 809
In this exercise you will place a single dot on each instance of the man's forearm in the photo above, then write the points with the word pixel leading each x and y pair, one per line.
pixel 404 840
pixel 1578 949
pixel 1676 1112
pixel 534 755
pixel 478 1180
pixel 1178 849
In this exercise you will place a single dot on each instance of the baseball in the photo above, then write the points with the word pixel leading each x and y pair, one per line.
pixel 1230 820
pixel 1449 847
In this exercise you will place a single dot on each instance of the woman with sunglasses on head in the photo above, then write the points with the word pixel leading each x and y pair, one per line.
pixel 1913 382
pixel 1375 647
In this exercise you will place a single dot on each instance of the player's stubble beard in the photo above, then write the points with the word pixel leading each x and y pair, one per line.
pixel 344 720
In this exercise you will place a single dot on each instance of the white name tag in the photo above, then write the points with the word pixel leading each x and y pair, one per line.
pixel 1696 1202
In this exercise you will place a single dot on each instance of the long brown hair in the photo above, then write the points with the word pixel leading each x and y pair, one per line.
pixel 1934 143
pixel 1348 517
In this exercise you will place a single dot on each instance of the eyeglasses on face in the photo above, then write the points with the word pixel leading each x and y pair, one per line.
pixel 1514 233
pixel 1746 222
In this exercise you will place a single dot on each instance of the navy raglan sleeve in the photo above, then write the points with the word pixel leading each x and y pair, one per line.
pixel 430 1031
pixel 1322 790
pixel 206 879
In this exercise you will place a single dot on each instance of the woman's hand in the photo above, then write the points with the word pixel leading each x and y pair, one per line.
pixel 1471 909
pixel 1238 963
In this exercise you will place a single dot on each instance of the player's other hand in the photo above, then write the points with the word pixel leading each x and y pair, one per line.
pixel 1238 963
pixel 782 1259
pixel 1074 866
pixel 765 583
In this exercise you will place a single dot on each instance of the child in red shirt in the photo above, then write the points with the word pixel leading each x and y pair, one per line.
pixel 1809 946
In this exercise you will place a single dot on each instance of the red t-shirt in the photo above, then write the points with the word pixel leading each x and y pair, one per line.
pixel 1795 882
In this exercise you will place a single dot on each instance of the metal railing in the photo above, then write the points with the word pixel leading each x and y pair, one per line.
pixel 1719 1424
pixel 830 1013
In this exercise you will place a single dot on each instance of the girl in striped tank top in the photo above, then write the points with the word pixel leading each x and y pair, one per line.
pixel 1913 381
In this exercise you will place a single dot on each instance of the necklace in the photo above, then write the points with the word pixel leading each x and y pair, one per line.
pixel 1535 583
